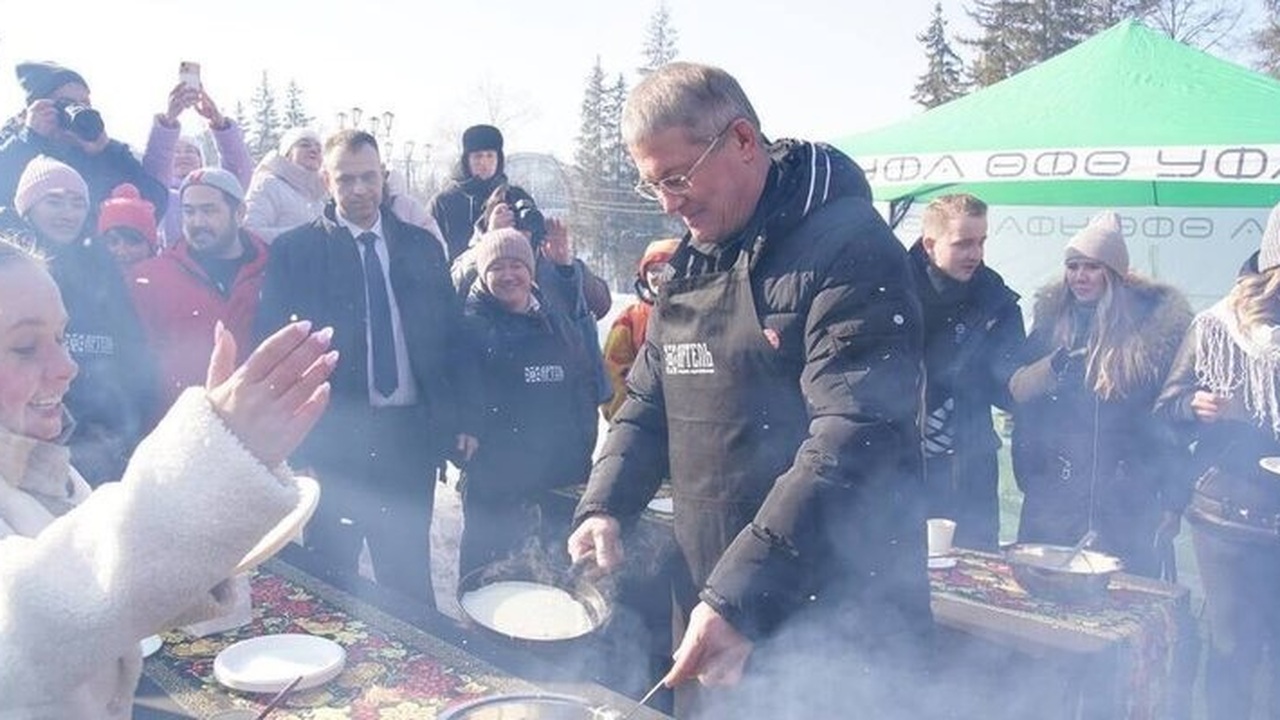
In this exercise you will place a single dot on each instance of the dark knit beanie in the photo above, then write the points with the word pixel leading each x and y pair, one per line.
pixel 481 137
pixel 40 79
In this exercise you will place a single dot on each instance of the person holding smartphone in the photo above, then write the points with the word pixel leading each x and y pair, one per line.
pixel 169 157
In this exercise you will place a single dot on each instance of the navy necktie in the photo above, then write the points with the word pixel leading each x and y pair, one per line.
pixel 380 334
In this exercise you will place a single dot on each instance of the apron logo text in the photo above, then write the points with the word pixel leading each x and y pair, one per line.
pixel 544 374
pixel 688 359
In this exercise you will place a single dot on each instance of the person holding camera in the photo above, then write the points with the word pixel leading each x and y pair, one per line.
pixel 567 285
pixel 60 122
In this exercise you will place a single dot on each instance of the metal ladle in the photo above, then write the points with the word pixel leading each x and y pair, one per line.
pixel 643 701
pixel 1084 541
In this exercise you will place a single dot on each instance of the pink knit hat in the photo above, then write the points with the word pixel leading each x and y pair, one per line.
pixel 43 176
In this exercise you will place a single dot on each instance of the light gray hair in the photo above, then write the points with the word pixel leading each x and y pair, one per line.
pixel 702 99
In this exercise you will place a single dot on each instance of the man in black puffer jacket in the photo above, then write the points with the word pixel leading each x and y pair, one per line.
pixel 480 170
pixel 973 332
pixel 780 386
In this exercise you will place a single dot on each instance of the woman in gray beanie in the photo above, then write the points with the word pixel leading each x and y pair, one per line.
pixel 1224 393
pixel 539 406
pixel 1086 449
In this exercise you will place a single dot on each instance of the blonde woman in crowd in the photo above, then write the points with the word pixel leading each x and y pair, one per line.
pixel 1087 452
pixel 1224 390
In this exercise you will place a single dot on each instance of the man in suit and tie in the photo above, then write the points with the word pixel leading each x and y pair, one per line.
pixel 399 391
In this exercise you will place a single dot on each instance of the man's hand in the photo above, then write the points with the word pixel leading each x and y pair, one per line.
pixel 711 650
pixel 42 118
pixel 600 535
pixel 274 399
pixel 556 247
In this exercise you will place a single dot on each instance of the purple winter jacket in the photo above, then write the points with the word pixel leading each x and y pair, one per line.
pixel 158 162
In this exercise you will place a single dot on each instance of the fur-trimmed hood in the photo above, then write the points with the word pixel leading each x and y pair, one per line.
pixel 1161 315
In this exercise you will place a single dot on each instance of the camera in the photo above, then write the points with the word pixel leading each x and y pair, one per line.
pixel 83 121
pixel 530 219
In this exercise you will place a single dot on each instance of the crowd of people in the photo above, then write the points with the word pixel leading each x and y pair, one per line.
pixel 811 390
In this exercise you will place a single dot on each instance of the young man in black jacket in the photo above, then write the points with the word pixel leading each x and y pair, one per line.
pixel 972 331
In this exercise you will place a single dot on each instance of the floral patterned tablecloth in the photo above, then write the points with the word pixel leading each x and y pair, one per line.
pixel 393 669
pixel 1143 623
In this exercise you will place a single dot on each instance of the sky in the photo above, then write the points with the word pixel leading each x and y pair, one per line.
pixel 818 69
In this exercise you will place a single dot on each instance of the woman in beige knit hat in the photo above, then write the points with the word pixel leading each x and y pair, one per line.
pixel 1224 393
pixel 538 407
pixel 1086 449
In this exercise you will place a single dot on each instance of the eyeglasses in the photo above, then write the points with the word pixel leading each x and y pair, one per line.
pixel 678 184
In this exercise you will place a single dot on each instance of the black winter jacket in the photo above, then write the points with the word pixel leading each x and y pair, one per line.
pixel 1077 456
pixel 315 273
pixel 538 421
pixel 114 396
pixel 971 350
pixel 843 519
pixel 1230 447
pixel 457 207
pixel 101 172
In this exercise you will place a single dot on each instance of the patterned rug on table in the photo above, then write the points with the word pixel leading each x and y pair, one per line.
pixel 393 669
pixel 1145 620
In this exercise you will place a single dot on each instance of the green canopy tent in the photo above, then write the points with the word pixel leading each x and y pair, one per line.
pixel 1129 117
pixel 1185 145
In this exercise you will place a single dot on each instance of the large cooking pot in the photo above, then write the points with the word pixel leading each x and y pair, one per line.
pixel 582 589
pixel 1055 572
pixel 530 706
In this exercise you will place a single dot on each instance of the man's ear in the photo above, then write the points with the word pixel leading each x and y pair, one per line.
pixel 928 243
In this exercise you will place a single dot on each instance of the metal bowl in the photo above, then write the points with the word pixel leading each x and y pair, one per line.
pixel 1050 572
pixel 528 707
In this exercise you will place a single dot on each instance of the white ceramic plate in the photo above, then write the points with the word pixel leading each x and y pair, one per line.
pixel 269 663
pixel 150 645
pixel 942 562
pixel 1270 464
pixel 288 528
pixel 664 505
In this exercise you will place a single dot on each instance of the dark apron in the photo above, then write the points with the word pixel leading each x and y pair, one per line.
pixel 735 414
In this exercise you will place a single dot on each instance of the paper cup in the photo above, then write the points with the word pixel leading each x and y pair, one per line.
pixel 941 531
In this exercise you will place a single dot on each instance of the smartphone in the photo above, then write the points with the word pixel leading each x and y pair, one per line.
pixel 189 74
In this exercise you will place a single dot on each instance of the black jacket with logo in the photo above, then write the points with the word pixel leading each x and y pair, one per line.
pixel 844 519
pixel 537 403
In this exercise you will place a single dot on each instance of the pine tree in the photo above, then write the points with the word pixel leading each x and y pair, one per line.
pixel 944 79
pixel 1266 40
pixel 1018 34
pixel 619 169
pixel 588 155
pixel 266 120
pixel 660 40
pixel 295 115
pixel 241 119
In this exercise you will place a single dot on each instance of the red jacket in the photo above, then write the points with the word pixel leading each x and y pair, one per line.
pixel 178 305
